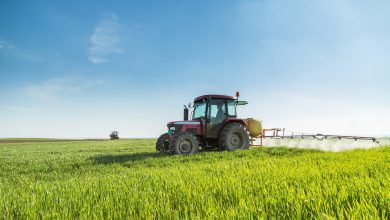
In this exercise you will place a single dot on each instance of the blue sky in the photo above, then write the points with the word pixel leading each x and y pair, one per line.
pixel 79 69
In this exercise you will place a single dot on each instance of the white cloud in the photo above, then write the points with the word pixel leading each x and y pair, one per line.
pixel 51 89
pixel 48 90
pixel 5 46
pixel 9 49
pixel 105 40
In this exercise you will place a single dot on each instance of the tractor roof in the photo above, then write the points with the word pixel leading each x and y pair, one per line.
pixel 213 97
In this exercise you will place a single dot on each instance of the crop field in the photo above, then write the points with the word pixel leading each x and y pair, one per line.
pixel 127 179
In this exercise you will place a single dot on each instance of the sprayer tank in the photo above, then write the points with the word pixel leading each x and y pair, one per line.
pixel 254 126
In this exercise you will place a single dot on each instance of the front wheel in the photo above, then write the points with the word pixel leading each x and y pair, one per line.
pixel 162 144
pixel 184 143
pixel 234 136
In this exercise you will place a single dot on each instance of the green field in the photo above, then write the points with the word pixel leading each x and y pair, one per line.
pixel 33 140
pixel 127 179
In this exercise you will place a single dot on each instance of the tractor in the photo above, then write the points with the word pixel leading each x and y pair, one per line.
pixel 114 135
pixel 214 125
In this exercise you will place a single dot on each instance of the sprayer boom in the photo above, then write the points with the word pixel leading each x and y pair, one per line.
pixel 281 133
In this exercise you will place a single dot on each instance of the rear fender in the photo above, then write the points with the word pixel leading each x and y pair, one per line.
pixel 233 120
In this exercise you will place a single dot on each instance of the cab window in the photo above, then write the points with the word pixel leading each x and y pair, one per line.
pixel 231 107
pixel 217 109
pixel 199 110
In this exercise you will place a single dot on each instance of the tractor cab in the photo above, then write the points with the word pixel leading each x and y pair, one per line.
pixel 214 124
pixel 214 111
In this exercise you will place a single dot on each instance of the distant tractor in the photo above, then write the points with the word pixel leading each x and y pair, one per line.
pixel 214 125
pixel 114 135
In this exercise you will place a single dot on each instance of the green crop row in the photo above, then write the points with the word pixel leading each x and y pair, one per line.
pixel 126 179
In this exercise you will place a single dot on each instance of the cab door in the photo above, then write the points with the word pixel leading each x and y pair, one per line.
pixel 216 115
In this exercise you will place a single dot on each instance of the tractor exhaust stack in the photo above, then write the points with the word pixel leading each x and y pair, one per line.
pixel 185 111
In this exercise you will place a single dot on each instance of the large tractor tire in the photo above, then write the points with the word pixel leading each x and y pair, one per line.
pixel 162 144
pixel 184 143
pixel 234 136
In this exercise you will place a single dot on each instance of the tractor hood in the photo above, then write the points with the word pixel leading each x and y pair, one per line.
pixel 192 126
pixel 191 122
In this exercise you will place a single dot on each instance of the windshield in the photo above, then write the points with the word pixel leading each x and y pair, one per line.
pixel 199 110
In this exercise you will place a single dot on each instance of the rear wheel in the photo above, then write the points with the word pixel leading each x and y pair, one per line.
pixel 184 143
pixel 162 144
pixel 234 136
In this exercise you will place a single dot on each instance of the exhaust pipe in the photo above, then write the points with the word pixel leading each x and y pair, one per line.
pixel 185 113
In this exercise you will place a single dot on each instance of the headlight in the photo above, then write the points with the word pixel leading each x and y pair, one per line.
pixel 171 130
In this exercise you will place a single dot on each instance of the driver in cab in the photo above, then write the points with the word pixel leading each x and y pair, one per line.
pixel 219 117
pixel 220 114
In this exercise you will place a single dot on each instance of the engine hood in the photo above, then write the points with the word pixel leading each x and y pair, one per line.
pixel 190 122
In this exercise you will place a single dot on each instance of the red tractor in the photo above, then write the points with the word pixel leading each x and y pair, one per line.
pixel 214 125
